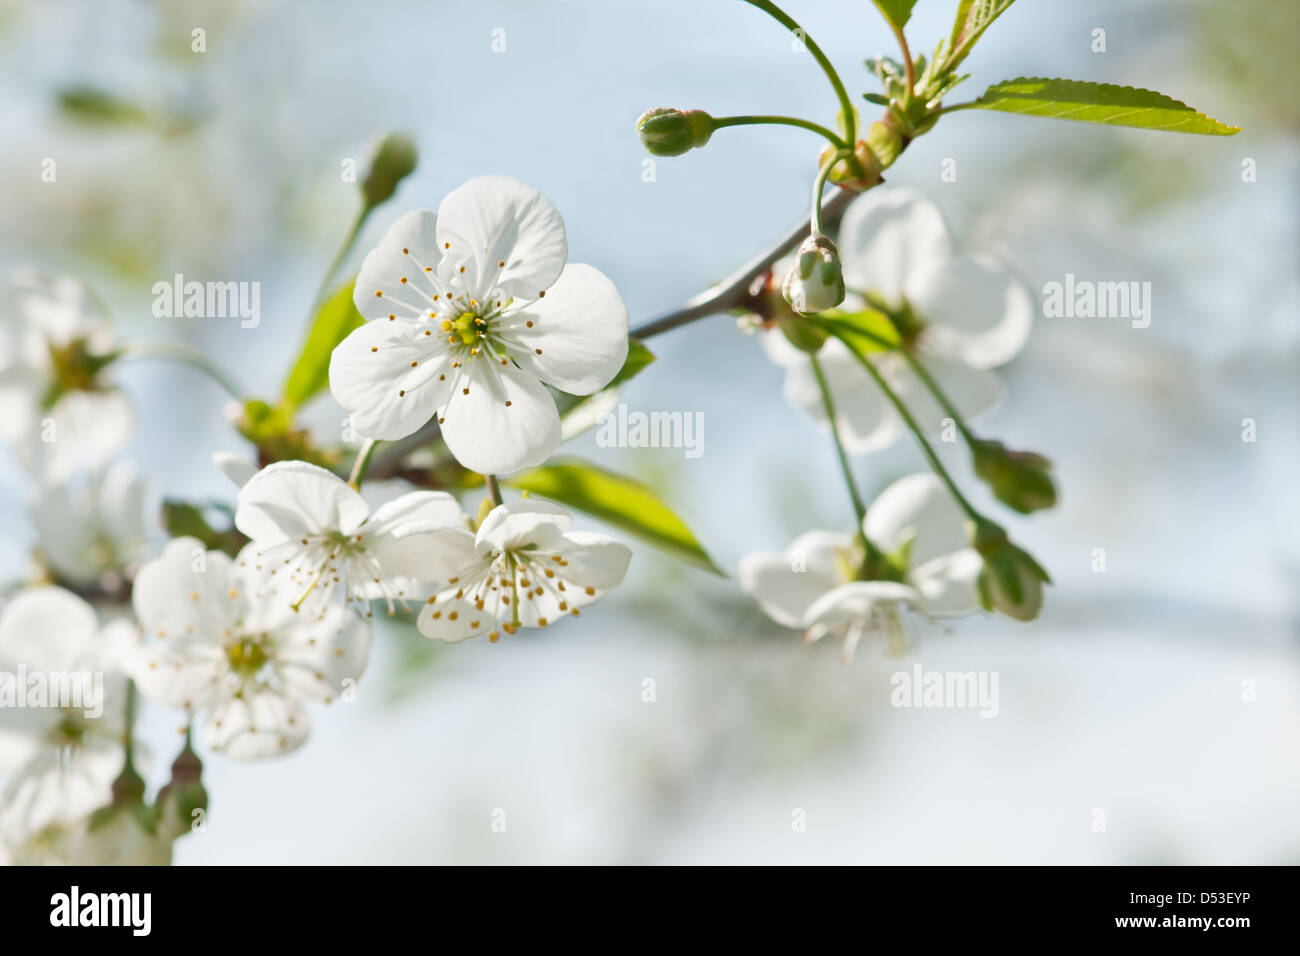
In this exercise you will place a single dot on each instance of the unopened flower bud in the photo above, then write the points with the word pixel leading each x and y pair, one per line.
pixel 182 796
pixel 815 281
pixel 1019 479
pixel 669 132
pixel 394 159
pixel 1011 581
pixel 858 174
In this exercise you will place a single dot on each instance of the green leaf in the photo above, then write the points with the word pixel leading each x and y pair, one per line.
pixel 1099 103
pixel 310 373
pixel 90 104
pixel 867 331
pixel 897 12
pixel 638 357
pixel 973 18
pixel 182 519
pixel 621 501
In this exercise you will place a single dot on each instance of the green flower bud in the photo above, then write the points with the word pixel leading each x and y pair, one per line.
pixel 669 132
pixel 815 282
pixel 857 174
pixel 182 795
pixel 1019 479
pixel 394 159
pixel 1011 581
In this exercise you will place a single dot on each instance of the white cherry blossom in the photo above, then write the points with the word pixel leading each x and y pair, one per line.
pixel 213 644
pixel 62 759
pixel 472 313
pixel 314 535
pixel 962 314
pixel 813 585
pixel 92 530
pixel 55 406
pixel 523 568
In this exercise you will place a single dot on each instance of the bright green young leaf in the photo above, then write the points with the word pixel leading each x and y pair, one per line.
pixel 1099 103
pixel 973 18
pixel 310 373
pixel 638 357
pixel 619 500
pixel 866 331
pixel 897 12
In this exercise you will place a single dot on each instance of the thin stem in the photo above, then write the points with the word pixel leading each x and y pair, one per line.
pixel 944 401
pixel 846 105
pixel 348 242
pixel 188 356
pixel 362 463
pixel 780 121
pixel 732 291
pixel 128 725
pixel 819 186
pixel 493 489
pixel 828 402
pixel 973 104
pixel 905 413
pixel 908 65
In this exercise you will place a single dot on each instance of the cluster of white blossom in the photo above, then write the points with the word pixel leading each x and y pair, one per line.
pixel 473 312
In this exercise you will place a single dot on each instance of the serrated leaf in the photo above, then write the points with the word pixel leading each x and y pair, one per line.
pixel 310 373
pixel 897 12
pixel 621 501
pixel 1103 103
pixel 973 18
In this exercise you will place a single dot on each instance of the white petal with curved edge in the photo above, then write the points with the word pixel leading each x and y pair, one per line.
pixel 576 337
pixel 496 219
pixel 261 724
pixel 237 469
pixel 592 560
pixel 784 593
pixel 47 629
pixel 188 676
pixel 856 601
pixel 409 250
pixel 290 499
pixel 917 507
pixel 975 310
pixel 454 619
pixel 426 508
pixel 488 435
pixel 523 521
pixel 947 583
pixel 421 557
pixel 320 656
pixel 185 594
pixel 82 430
pixel 372 376
pixel 887 238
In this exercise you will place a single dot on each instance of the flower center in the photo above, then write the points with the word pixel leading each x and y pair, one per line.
pixel 249 655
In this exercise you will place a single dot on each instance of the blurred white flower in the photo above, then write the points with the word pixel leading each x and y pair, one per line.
pixel 813 584
pixel 314 532
pixel 91 531
pixel 960 316
pixel 63 759
pixel 523 568
pixel 472 311
pixel 237 469
pixel 55 407
pixel 117 836
pixel 214 644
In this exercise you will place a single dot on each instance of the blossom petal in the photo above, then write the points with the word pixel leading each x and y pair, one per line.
pixel 947 583
pixel 289 499
pixel 856 600
pixel 320 657
pixel 523 522
pixel 263 723
pixel 593 560
pixel 576 337
pixel 864 418
pixel 184 676
pixel 917 507
pixel 496 219
pixel 390 376
pixel 453 619
pixel 975 310
pixel 185 594
pixel 971 390
pixel 507 421
pixel 888 239
pixel 408 251
pixel 786 584
pixel 237 469
pixel 47 629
